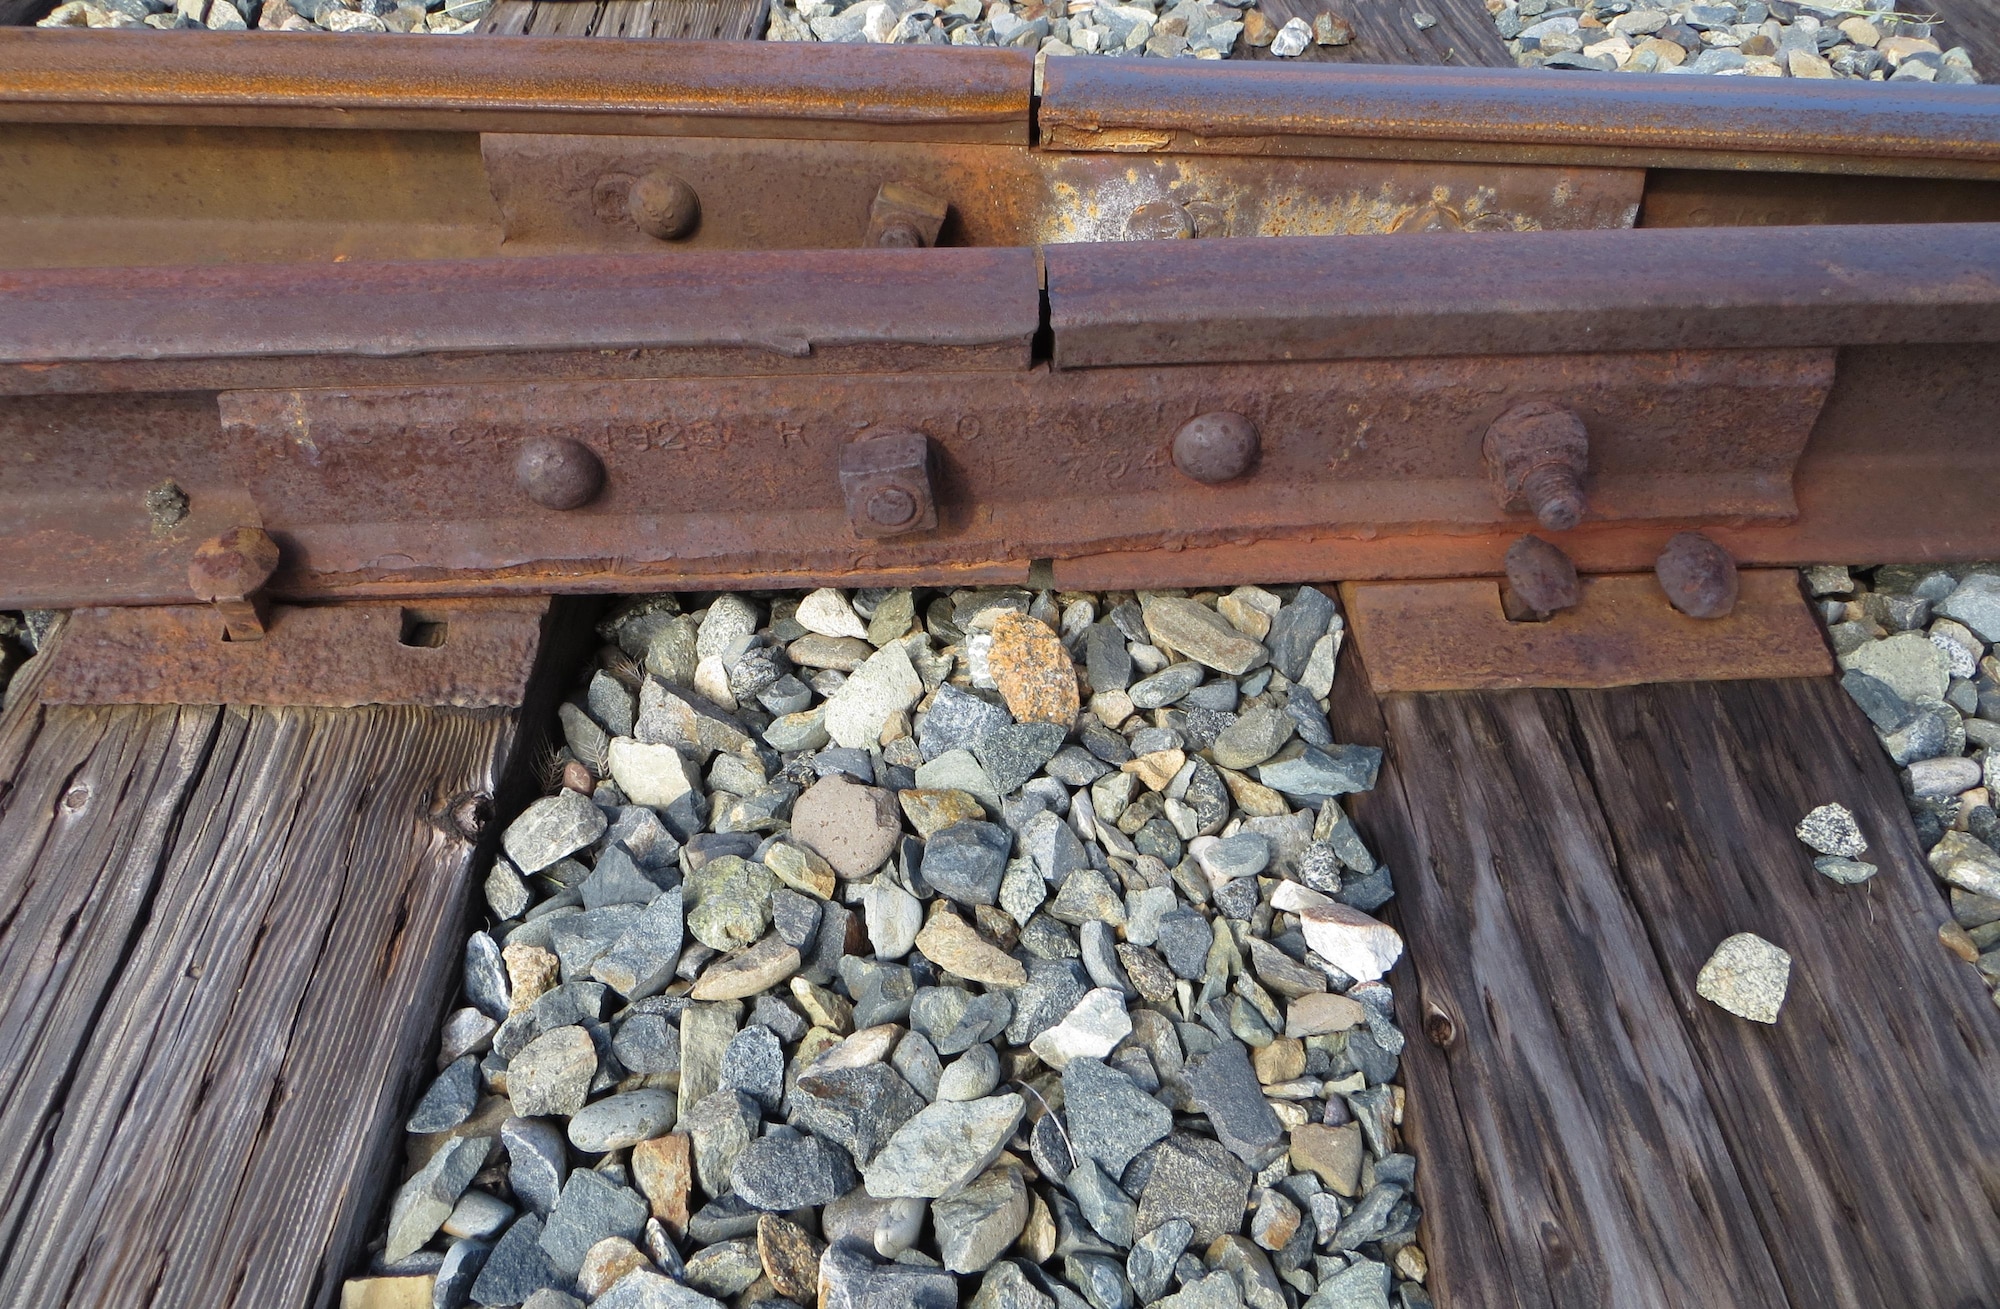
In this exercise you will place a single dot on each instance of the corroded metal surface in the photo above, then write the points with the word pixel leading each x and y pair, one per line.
pixel 1520 116
pixel 263 325
pixel 1455 636
pixel 468 653
pixel 776 194
pixel 716 88
pixel 1455 294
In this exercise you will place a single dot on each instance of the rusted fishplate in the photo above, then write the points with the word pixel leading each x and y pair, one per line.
pixel 1455 635
pixel 468 653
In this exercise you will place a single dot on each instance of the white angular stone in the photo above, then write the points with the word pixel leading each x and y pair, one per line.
pixel 1746 975
pixel 943 1147
pixel 1292 39
pixel 652 775
pixel 1091 1030
pixel 894 917
pixel 1351 941
pixel 884 686
pixel 827 612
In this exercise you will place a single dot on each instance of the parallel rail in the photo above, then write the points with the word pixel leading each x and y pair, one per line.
pixel 332 288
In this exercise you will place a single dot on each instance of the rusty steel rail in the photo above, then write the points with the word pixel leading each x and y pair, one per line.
pixel 701 88
pixel 1525 293
pixel 1515 116
pixel 1748 401
pixel 713 314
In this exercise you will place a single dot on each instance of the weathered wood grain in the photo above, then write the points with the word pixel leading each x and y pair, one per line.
pixel 688 20
pixel 1458 1230
pixel 230 1118
pixel 1593 1145
pixel 1865 1123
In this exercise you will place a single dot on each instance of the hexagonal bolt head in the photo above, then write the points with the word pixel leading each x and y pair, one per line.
pixel 1217 447
pixel 1698 576
pixel 1536 454
pixel 558 473
pixel 228 571
pixel 662 205
pixel 1541 577
pixel 886 482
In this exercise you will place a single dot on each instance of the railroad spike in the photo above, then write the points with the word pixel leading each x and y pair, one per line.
pixel 228 571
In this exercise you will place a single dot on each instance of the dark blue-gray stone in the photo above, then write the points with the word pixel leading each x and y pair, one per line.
pixel 618 879
pixel 1110 1118
pixel 1298 626
pixel 591 1207
pixel 1307 717
pixel 967 860
pixel 1107 661
pixel 958 720
pixel 1167 686
pixel 1075 766
pixel 1048 1145
pixel 754 1063
pixel 1887 710
pixel 1150 1266
pixel 456 1275
pixel 1106 744
pixel 1185 938
pixel 795 916
pixel 450 1099
pixel 881 992
pixel 1108 1210
pixel 1057 852
pixel 957 1020
pixel 1318 774
pixel 1054 987
pixel 850 1279
pixel 537 1161
pixel 787 1169
pixel 1014 753
pixel 1369 891
pixel 1100 1278
pixel 859 1108
pixel 517 1266
pixel 485 977
pixel 1226 1089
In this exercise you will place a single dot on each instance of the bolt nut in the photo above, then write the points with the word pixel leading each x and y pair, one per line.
pixel 886 482
pixel 1217 447
pixel 558 473
pixel 233 566
pixel 662 205
pixel 1536 454
pixel 1698 576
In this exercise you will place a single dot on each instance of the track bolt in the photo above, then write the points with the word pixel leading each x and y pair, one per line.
pixel 558 473
pixel 886 481
pixel 662 205
pixel 1698 576
pixel 1540 579
pixel 228 571
pixel 903 217
pixel 1217 447
pixel 1536 454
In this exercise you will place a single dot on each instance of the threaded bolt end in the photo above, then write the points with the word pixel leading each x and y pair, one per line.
pixel 1555 494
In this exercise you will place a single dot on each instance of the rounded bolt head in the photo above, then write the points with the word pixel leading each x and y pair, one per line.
pixel 1542 575
pixel 891 506
pixel 558 473
pixel 1217 447
pixel 234 565
pixel 662 205
pixel 1698 576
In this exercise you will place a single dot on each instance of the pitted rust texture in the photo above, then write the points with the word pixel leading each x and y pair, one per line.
pixel 1540 577
pixel 885 479
pixel 1358 110
pixel 229 571
pixel 468 653
pixel 777 194
pixel 736 88
pixel 1537 454
pixel 558 473
pixel 737 476
pixel 1216 448
pixel 1698 575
